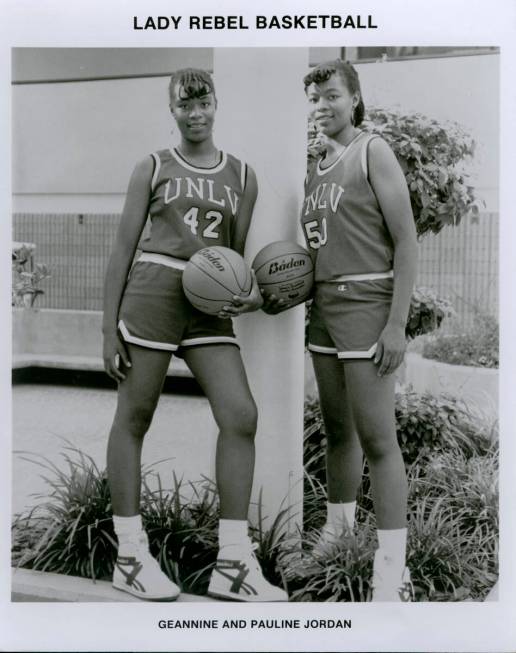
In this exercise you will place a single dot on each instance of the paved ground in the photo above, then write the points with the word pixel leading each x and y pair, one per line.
pixel 183 429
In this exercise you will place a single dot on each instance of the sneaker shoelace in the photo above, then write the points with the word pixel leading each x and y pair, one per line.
pixel 250 558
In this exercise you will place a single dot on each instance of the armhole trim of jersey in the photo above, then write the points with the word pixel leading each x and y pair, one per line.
pixel 243 175
pixel 157 167
pixel 364 159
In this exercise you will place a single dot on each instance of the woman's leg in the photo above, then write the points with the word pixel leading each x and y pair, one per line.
pixel 343 452
pixel 372 402
pixel 136 571
pixel 220 373
pixel 138 396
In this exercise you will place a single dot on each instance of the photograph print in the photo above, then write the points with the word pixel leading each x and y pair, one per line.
pixel 255 321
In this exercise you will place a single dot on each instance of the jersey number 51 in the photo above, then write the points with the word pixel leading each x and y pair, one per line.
pixel 316 237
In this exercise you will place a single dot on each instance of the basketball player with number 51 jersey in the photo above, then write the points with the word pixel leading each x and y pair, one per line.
pixel 358 225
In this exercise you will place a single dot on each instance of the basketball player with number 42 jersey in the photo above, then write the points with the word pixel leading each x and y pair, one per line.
pixel 195 195
pixel 358 225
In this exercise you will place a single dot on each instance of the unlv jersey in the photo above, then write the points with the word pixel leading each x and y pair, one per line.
pixel 190 207
pixel 342 222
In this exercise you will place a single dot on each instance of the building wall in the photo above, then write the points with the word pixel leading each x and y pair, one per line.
pixel 75 143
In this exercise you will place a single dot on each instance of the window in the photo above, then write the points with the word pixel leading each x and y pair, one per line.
pixel 412 52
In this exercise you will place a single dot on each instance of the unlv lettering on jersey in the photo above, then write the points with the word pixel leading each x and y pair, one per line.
pixel 319 198
pixel 199 188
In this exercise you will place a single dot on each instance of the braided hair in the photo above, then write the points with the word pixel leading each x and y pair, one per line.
pixel 194 82
pixel 323 72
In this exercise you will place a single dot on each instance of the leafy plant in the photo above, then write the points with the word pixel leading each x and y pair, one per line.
pixel 426 313
pixel 71 530
pixel 25 286
pixel 452 467
pixel 270 541
pixel 453 526
pixel 452 550
pixel 182 528
pixel 431 156
pixel 343 575
pixel 73 523
pixel 477 346
pixel 426 424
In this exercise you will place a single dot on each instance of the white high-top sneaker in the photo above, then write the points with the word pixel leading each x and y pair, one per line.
pixel 237 576
pixel 139 574
pixel 391 582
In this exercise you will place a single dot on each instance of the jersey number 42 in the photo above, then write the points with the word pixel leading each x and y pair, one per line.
pixel 191 218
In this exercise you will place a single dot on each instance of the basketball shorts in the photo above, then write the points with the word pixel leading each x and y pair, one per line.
pixel 155 312
pixel 348 315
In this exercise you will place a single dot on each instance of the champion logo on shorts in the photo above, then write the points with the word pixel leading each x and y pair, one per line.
pixel 342 287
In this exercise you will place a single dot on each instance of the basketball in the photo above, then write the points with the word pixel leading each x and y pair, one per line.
pixel 285 269
pixel 213 276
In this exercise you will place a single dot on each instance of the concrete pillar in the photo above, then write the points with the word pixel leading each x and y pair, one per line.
pixel 261 118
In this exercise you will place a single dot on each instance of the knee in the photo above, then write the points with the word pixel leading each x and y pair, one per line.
pixel 378 445
pixel 136 419
pixel 241 420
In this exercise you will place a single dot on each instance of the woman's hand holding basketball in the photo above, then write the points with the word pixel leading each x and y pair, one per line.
pixel 115 357
pixel 272 305
pixel 390 349
pixel 252 302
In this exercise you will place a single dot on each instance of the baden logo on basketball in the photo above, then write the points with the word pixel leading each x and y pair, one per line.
pixel 209 255
pixel 276 266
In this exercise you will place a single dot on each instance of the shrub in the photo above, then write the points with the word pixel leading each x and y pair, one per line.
pixel 452 550
pixel 344 575
pixel 425 424
pixel 453 526
pixel 71 530
pixel 430 155
pixel 477 346
pixel 426 313
pixel 25 284
pixel 452 470
pixel 182 528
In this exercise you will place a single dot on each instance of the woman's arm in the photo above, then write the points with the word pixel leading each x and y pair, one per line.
pixel 254 300
pixel 131 225
pixel 391 190
pixel 245 213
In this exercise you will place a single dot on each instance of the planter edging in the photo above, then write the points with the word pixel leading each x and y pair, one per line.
pixel 43 586
pixel 477 386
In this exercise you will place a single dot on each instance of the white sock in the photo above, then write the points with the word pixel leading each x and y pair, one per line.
pixel 341 515
pixel 127 530
pixel 393 544
pixel 233 535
